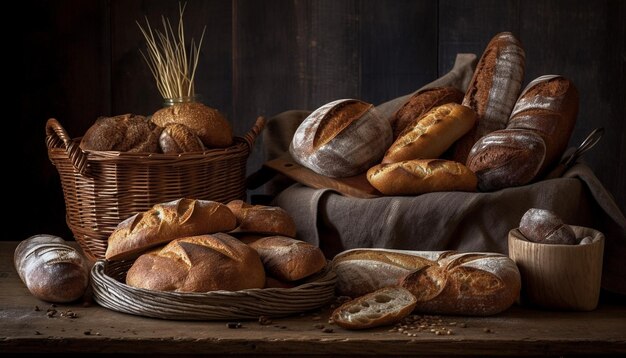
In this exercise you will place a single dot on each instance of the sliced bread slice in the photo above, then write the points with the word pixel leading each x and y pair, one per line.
pixel 382 307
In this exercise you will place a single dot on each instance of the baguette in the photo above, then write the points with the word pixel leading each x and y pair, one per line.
pixel 51 270
pixel 199 264
pixel 414 177
pixel 166 222
pixel 430 135
pixel 382 307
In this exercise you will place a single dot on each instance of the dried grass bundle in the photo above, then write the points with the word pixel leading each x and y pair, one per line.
pixel 172 66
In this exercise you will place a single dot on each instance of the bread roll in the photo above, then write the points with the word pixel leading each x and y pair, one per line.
pixel 166 222
pixel 287 259
pixel 383 307
pixel 177 138
pixel 342 138
pixel 546 227
pixel 199 264
pixel 205 122
pixel 414 177
pixel 506 158
pixel 124 133
pixel 548 106
pixel 476 284
pixel 262 219
pixel 430 135
pixel 361 271
pixel 51 270
pixel 420 103
pixel 493 90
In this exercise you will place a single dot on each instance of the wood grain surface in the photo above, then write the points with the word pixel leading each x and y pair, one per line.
pixel 26 327
pixel 81 61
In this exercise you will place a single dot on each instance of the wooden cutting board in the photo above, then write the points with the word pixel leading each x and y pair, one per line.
pixel 356 186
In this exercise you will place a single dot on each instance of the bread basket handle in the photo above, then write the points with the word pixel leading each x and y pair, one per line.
pixel 252 135
pixel 57 137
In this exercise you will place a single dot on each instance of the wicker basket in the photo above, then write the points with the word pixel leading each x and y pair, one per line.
pixel 102 188
pixel 110 292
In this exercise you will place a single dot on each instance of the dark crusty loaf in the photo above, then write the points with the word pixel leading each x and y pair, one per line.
pixel 261 219
pixel 430 135
pixel 420 103
pixel 124 133
pixel 383 307
pixel 288 259
pixel 52 270
pixel 546 227
pixel 414 177
pixel 207 123
pixel 493 90
pixel 199 264
pixel 506 158
pixel 342 138
pixel 178 138
pixel 549 107
pixel 166 222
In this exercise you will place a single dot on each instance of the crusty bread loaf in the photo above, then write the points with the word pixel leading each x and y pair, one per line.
pixel 262 219
pixel 476 284
pixel 506 158
pixel 546 227
pixel 124 133
pixel 361 271
pixel 205 122
pixel 52 270
pixel 493 90
pixel 199 264
pixel 380 308
pixel 288 259
pixel 548 106
pixel 166 222
pixel 414 177
pixel 342 138
pixel 431 134
pixel 178 138
pixel 420 103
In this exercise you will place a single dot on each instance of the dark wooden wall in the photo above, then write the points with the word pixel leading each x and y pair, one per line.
pixel 80 60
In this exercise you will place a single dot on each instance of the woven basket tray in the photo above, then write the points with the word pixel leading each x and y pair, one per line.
pixel 103 188
pixel 110 292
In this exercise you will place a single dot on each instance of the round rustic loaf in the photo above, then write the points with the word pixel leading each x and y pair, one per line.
pixel 342 138
pixel 205 122
pixel 287 259
pixel 124 133
pixel 177 138
pixel 199 264
pixel 506 158
pixel 546 227
pixel 262 219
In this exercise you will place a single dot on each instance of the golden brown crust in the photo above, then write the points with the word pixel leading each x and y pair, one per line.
pixel 421 103
pixel 288 259
pixel 199 264
pixel 166 222
pixel 205 122
pixel 430 135
pixel 262 219
pixel 123 133
pixel 177 138
pixel 382 307
pixel 414 177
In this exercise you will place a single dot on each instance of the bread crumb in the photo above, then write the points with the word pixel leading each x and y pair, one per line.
pixel 327 330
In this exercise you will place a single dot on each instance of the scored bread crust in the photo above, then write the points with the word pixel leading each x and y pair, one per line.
pixel 419 176
pixel 261 219
pixel 430 135
pixel 383 307
pixel 166 222
pixel 178 138
pixel 199 264
pixel 288 259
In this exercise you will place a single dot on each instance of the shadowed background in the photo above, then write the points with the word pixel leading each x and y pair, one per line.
pixel 81 60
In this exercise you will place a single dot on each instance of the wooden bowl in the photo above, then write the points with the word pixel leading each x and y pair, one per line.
pixel 559 276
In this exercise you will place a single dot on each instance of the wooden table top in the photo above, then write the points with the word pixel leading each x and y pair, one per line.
pixel 518 331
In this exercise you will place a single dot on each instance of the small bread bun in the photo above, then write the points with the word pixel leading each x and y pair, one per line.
pixel 546 227
pixel 177 138
pixel 205 122
pixel 261 219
